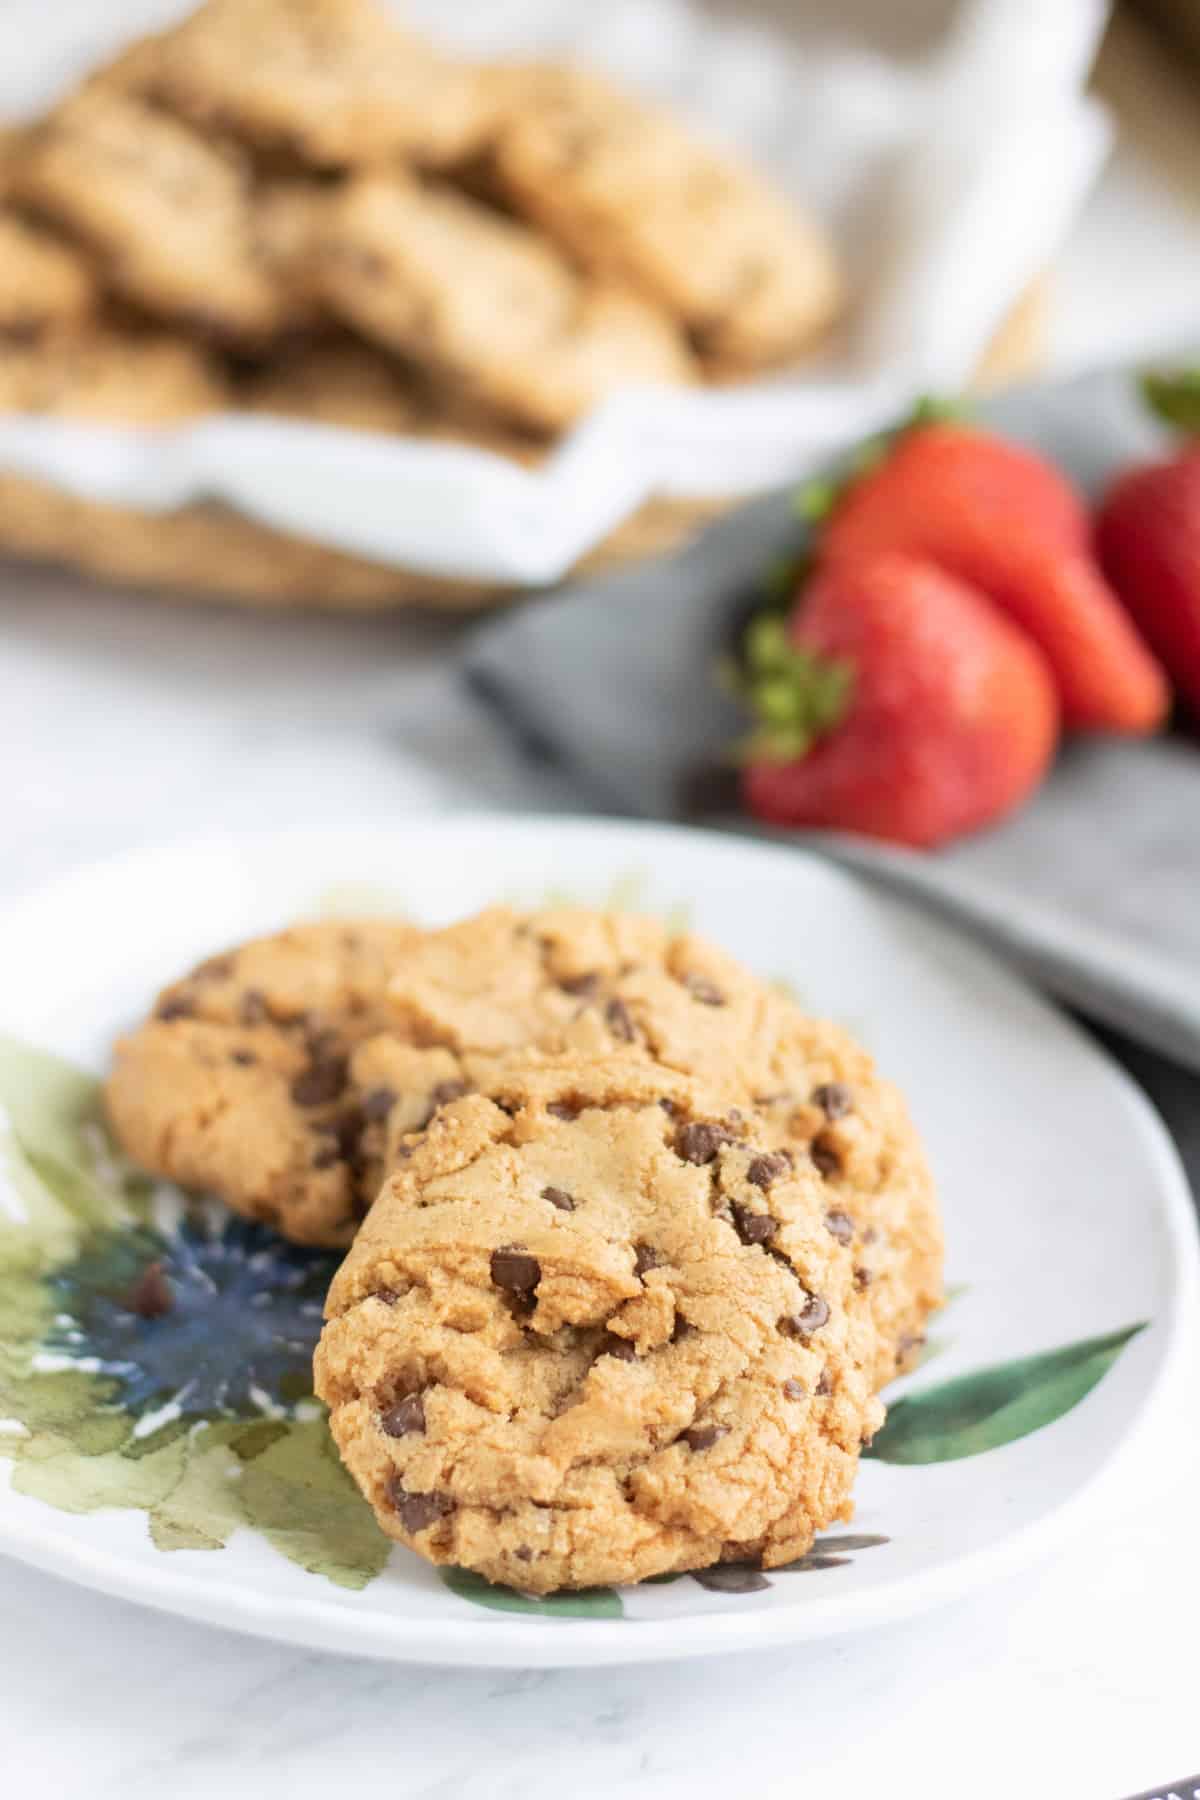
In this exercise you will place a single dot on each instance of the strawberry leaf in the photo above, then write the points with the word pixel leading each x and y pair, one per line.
pixel 1174 398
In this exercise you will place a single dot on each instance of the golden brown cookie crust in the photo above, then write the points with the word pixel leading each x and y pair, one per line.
pixel 432 274
pixel 589 981
pixel 431 1016
pixel 44 283
pixel 575 1342
pixel 333 83
pixel 166 211
pixel 635 196
pixel 241 1084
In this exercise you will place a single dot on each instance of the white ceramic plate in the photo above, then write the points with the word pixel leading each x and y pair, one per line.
pixel 1067 1219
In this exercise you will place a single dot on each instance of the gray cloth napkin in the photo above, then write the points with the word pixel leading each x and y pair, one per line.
pixel 1094 889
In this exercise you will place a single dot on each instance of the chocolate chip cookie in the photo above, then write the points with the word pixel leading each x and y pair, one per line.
pixel 590 981
pixel 433 275
pixel 632 194
pixel 331 83
pixel 351 384
pixel 44 282
pixel 166 212
pixel 243 1083
pixel 577 1342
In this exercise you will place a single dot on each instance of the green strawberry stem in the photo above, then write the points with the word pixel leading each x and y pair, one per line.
pixel 816 499
pixel 795 696
pixel 1174 398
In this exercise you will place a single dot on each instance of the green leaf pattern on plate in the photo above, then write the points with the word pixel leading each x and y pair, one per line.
pixel 583 1603
pixel 81 1436
pixel 995 1406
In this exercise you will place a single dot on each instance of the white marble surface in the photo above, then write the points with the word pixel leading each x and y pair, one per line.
pixel 122 723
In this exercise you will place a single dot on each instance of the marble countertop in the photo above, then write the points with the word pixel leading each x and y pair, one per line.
pixel 124 723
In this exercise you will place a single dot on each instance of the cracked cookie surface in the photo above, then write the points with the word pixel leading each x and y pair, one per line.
pixel 419 1017
pixel 591 981
pixel 241 1082
pixel 582 1338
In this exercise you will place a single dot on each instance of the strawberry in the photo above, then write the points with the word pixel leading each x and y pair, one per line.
pixel 1006 521
pixel 896 702
pixel 1148 538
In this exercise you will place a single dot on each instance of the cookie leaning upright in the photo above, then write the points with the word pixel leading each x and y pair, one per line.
pixel 432 274
pixel 577 1340
pixel 329 83
pixel 634 195
pixel 166 212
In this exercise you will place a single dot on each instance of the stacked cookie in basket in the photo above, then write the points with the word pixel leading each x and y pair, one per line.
pixel 298 207
pixel 632 1242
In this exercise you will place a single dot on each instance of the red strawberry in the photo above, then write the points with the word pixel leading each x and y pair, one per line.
pixel 1148 537
pixel 898 703
pixel 1006 521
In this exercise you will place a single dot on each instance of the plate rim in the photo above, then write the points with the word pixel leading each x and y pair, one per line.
pixel 561 1643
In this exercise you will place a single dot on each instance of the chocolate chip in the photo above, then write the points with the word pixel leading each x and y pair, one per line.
pixel 175 1008
pixel 446 1091
pixel 862 1279
pixel 824 1385
pixel 753 1227
pixel 417 1512
pixel 253 1008
pixel 812 1315
pixel 514 1270
pixel 699 1141
pixel 405 1416
pixel 320 1082
pixel 243 1058
pixel 562 1109
pixel 840 1225
pixel 150 1297
pixel 834 1098
pixel 681 1329
pixel 645 1257
pixel 583 986
pixel 387 1295
pixel 703 1437
pixel 704 990
pixel 523 1553
pixel 621 1348
pixel 559 1197
pixel 619 1021
pixel 794 1390
pixel 669 1107
pixel 766 1169
pixel 825 1157
pixel 378 1103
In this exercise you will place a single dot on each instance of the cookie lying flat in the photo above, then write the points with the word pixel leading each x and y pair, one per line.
pixel 434 275
pixel 593 981
pixel 167 212
pixel 240 1083
pixel 576 1342
pixel 333 83
pixel 632 194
